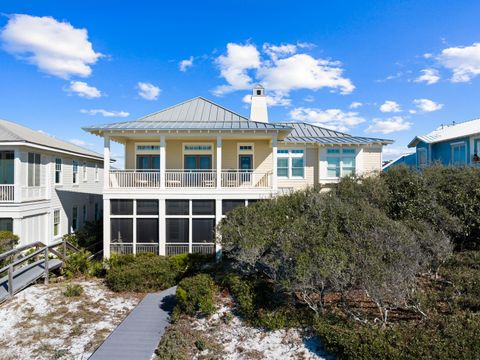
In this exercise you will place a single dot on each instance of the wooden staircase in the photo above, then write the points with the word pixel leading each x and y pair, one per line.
pixel 26 270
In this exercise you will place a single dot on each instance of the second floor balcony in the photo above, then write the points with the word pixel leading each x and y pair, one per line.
pixel 192 179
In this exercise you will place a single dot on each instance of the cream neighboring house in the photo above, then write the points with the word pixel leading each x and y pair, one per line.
pixel 48 187
pixel 188 165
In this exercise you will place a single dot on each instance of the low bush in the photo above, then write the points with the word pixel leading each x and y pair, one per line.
pixel 195 295
pixel 142 273
pixel 77 264
pixel 8 240
pixel 73 290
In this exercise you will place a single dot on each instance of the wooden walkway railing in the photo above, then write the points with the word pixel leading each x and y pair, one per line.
pixel 18 269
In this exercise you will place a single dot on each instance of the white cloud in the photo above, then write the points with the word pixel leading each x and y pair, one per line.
pixel 429 76
pixel 334 119
pixel 390 125
pixel 105 113
pixel 281 71
pixel 427 105
pixel 463 61
pixel 275 100
pixel 355 105
pixel 82 89
pixel 148 91
pixel 309 98
pixel 390 106
pixel 56 48
pixel 390 153
pixel 235 65
pixel 185 64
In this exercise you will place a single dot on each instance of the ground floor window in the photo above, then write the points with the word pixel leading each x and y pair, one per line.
pixel 56 222
pixel 6 224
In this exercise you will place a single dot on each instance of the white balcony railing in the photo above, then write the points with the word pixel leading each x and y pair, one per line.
pixel 32 193
pixel 190 179
pixel 7 193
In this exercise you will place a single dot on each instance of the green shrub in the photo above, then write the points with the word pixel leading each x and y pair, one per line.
pixel 8 240
pixel 142 273
pixel 195 295
pixel 77 264
pixel 243 294
pixel 73 290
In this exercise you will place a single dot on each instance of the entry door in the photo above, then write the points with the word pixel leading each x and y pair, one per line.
pixel 245 162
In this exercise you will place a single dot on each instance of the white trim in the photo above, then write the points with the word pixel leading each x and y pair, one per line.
pixel 246 152
pixel 60 183
pixel 458 144
pixel 48 148
pixel 198 152
pixel 290 156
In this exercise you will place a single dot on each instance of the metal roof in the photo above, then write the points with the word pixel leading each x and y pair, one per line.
pixel 195 114
pixel 12 132
pixel 448 132
pixel 308 133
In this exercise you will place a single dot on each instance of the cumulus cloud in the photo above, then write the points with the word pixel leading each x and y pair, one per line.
pixel 427 105
pixel 234 67
pixel 281 69
pixel 82 89
pixel 56 48
pixel 355 105
pixel 185 64
pixel 390 125
pixel 334 119
pixel 148 91
pixel 390 106
pixel 464 62
pixel 105 113
pixel 429 76
pixel 275 100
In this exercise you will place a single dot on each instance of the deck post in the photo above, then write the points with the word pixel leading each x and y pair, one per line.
pixel 10 280
pixel 219 161
pixel 274 164
pixel 106 161
pixel 46 265
pixel 162 162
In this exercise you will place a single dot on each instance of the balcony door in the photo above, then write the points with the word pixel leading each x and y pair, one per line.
pixel 198 162
pixel 148 162
pixel 6 167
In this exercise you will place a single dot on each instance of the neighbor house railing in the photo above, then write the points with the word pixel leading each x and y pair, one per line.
pixel 190 179
pixel 7 193
pixel 170 248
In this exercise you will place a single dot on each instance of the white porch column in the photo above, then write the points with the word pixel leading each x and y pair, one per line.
pixel 274 165
pixel 106 228
pixel 219 161
pixel 106 161
pixel 218 218
pixel 17 176
pixel 319 164
pixel 162 162
pixel 162 228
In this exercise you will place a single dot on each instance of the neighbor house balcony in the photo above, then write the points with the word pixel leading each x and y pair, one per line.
pixel 191 179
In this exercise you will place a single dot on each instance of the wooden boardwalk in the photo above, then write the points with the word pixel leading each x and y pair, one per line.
pixel 137 337
pixel 25 276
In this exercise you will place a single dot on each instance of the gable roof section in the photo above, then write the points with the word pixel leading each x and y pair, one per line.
pixel 195 114
pixel 12 132
pixel 307 133
pixel 448 132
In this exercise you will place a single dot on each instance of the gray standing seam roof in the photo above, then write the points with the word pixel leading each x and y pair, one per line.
pixel 195 114
pixel 308 133
pixel 12 132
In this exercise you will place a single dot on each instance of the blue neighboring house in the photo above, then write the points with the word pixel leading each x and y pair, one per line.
pixel 409 160
pixel 457 144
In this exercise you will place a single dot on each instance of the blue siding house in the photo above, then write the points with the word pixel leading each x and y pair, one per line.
pixel 457 144
pixel 409 160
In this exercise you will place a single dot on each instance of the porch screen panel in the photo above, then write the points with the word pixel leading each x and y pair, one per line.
pixel 203 230
pixel 121 231
pixel 177 230
pixel 147 230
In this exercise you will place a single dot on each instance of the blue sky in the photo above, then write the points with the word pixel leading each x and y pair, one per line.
pixel 391 69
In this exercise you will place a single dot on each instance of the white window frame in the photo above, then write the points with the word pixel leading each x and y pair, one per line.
pixel 58 169
pixel 341 155
pixel 85 172
pixel 245 152
pixel 97 177
pixel 75 179
pixel 424 151
pixel 36 168
pixel 458 144
pixel 198 152
pixel 59 223
pixel 291 155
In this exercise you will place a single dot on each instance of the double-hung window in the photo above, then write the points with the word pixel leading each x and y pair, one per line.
pixel 33 169
pixel 58 171
pixel 340 162
pixel 75 171
pixel 56 222
pixel 422 157
pixel 85 174
pixel 291 163
pixel 459 156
